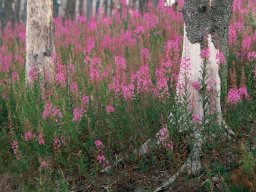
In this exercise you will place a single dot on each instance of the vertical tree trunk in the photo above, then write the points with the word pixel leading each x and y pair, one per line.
pixel 70 9
pixel 206 26
pixel 40 39
pixel 63 8
pixel 94 8
pixel 77 9
pixel 17 10
pixel 23 10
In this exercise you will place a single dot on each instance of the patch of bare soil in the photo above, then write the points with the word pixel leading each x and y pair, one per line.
pixel 8 183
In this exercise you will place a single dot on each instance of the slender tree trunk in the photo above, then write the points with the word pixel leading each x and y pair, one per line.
pixel 71 8
pixel 77 9
pixel 40 39
pixel 94 8
pixel 23 10
pixel 17 10
pixel 63 8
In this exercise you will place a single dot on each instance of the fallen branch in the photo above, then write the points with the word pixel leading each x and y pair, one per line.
pixel 192 164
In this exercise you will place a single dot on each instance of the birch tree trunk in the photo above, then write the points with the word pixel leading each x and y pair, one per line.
pixel 77 9
pixel 206 26
pixel 94 8
pixel 40 39
pixel 63 8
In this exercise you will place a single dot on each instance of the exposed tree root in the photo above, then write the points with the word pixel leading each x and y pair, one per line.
pixel 192 164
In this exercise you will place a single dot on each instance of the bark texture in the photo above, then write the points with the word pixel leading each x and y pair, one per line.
pixel 203 18
pixel 40 39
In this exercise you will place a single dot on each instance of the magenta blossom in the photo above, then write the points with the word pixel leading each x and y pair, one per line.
pixel 205 53
pixel 28 136
pixel 233 96
pixel 197 118
pixel 78 114
pixel 101 158
pixel 110 109
pixel 73 87
pixel 196 85
pixel 40 138
pixel 99 144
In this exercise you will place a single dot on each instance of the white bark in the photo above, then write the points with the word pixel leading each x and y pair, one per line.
pixel 40 38
pixel 94 7
pixel 63 7
pixel 169 3
pixel 77 9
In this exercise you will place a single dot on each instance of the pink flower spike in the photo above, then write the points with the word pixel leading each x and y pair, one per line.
pixel 196 85
pixel 28 136
pixel 98 144
pixel 44 164
pixel 110 109
pixel 205 53
pixel 197 118
pixel 41 139
pixel 101 158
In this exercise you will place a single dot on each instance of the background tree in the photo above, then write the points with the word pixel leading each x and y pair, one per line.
pixel 39 39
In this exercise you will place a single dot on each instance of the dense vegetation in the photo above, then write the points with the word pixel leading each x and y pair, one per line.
pixel 115 88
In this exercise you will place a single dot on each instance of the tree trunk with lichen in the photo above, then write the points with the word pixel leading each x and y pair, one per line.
pixel 40 39
pixel 206 26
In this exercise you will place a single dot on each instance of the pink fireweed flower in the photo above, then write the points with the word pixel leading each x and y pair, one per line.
pixel 162 87
pixel 90 45
pixel 205 53
pixel 78 114
pixel 73 87
pixel 243 92
pixel 144 56
pixel 128 92
pixel 61 79
pixel 47 110
pixel 163 138
pixel 101 158
pixel 163 135
pixel 110 109
pixel 85 100
pixel 220 58
pixel 56 143
pixel 246 42
pixel 197 118
pixel 50 111
pixel 56 112
pixel 15 148
pixel 170 146
pixel 196 85
pixel 233 96
pixel 94 69
pixel 28 136
pixel 120 63
pixel 15 76
pixel 32 73
pixel 71 68
pixel 44 164
pixel 143 76
pixel 232 36
pixel 40 138
pixel 99 144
